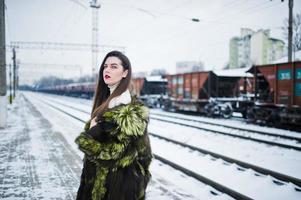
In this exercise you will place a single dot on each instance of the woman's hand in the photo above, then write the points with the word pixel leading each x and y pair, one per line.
pixel 93 122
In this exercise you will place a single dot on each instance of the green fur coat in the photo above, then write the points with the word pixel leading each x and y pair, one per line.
pixel 117 155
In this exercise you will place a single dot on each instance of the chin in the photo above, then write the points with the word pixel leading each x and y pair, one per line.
pixel 107 82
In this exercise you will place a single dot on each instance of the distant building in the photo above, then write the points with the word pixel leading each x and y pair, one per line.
pixel 156 72
pixel 254 48
pixel 139 74
pixel 275 49
pixel 240 52
pixel 189 66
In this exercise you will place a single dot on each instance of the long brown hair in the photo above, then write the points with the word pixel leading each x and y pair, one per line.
pixel 102 95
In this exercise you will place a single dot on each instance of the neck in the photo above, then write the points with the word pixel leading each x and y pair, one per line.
pixel 113 87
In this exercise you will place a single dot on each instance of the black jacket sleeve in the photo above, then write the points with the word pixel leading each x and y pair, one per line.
pixel 100 130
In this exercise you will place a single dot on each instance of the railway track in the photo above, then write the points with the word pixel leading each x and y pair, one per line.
pixel 232 127
pixel 228 133
pixel 279 178
pixel 261 170
pixel 298 148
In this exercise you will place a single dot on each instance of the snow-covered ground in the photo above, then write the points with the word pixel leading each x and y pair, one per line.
pixel 39 159
pixel 233 131
pixel 274 158
pixel 278 159
pixel 36 162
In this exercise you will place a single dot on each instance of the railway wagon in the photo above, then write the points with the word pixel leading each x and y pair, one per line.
pixel 150 89
pixel 277 94
pixel 83 90
pixel 209 92
pixel 56 89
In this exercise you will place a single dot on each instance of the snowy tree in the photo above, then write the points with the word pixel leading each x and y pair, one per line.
pixel 296 31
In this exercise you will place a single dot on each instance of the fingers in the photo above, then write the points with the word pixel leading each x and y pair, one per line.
pixel 93 122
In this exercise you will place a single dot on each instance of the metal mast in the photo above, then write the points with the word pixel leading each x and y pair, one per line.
pixel 3 99
pixel 95 6
pixel 290 30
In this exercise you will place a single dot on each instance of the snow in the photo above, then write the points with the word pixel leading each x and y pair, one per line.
pixel 278 159
pixel 240 72
pixel 162 185
pixel 31 161
pixel 230 122
pixel 166 183
pixel 228 174
pixel 232 131
pixel 156 78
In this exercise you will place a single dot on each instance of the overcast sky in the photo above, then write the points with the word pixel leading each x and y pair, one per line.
pixel 155 33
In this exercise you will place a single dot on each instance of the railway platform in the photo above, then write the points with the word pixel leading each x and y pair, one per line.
pixel 36 161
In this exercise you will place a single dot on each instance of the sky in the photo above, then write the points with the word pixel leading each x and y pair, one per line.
pixel 153 34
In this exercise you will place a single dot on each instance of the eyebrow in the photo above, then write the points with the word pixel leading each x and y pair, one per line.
pixel 112 64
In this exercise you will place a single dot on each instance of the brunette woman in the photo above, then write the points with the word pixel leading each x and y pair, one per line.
pixel 115 142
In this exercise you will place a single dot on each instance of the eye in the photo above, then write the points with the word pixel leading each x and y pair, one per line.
pixel 114 66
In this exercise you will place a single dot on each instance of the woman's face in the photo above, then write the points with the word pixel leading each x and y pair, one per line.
pixel 113 71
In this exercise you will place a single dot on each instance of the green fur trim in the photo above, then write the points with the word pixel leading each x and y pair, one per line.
pixel 99 188
pixel 98 150
pixel 131 119
pixel 87 144
pixel 127 160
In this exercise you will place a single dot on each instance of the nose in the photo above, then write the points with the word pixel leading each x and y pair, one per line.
pixel 106 70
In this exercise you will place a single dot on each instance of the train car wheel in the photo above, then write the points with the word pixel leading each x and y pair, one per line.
pixel 251 115
pixel 227 112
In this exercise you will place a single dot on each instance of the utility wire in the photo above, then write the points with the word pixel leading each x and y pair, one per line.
pixel 255 9
pixel 154 15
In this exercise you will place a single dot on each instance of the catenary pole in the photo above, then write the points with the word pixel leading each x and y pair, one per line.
pixel 3 100
pixel 290 30
pixel 14 73
pixel 10 86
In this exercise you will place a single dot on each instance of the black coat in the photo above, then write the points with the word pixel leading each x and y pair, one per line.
pixel 117 155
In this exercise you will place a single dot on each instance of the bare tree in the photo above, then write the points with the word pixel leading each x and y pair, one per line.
pixel 296 31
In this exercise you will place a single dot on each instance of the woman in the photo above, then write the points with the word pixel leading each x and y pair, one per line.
pixel 115 142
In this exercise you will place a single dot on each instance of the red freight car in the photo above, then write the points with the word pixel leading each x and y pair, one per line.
pixel 277 93
pixel 210 92
pixel 150 89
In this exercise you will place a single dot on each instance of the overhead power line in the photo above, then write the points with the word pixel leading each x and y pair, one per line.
pixel 61 46
pixel 52 65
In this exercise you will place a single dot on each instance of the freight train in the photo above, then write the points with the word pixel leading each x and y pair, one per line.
pixel 82 90
pixel 269 94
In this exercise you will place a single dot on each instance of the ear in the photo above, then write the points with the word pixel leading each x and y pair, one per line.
pixel 125 73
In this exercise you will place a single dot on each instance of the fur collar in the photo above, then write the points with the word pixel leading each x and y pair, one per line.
pixel 131 118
